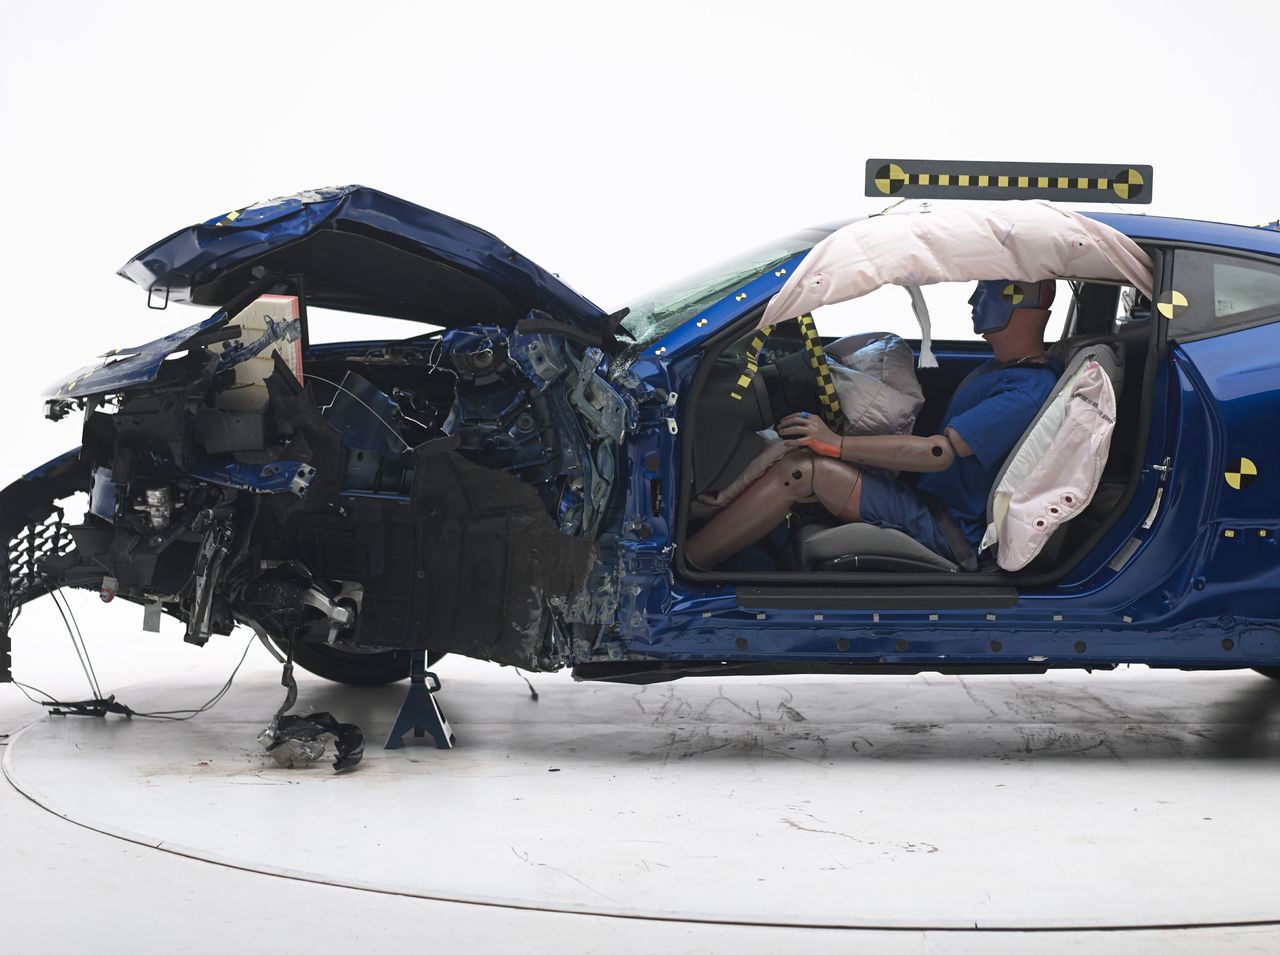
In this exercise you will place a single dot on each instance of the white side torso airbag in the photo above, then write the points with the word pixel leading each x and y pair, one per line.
pixel 1056 470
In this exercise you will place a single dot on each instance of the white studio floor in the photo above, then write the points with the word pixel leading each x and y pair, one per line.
pixel 1125 810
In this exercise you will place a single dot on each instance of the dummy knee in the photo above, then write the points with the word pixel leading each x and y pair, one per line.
pixel 835 484
pixel 792 474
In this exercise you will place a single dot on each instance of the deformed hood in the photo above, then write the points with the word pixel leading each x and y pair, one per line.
pixel 360 250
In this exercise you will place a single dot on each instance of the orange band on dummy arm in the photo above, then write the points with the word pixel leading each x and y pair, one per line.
pixel 899 452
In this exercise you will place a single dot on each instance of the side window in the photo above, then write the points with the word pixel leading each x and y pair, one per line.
pixel 888 309
pixel 1221 293
pixel 1106 308
pixel 1134 308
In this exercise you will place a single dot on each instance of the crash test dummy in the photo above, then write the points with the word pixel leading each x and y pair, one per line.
pixel 851 475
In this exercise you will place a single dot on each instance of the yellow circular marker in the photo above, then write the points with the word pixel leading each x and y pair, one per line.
pixel 1240 473
pixel 890 178
pixel 1013 294
pixel 1171 303
pixel 1127 183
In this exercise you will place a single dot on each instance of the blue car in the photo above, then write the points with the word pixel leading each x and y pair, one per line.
pixel 517 482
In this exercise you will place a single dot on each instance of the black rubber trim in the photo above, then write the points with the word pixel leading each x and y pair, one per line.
pixel 879 598
pixel 539 322
pixel 646 672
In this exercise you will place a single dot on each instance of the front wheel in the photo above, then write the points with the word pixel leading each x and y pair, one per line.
pixel 351 666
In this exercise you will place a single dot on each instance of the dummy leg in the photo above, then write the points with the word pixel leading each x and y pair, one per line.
pixel 752 514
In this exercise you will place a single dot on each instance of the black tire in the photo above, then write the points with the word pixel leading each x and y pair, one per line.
pixel 355 667
pixel 1273 672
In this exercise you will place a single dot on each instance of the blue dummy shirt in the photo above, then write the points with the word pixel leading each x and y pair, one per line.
pixel 990 410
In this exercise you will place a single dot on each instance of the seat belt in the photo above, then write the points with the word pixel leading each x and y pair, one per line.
pixel 827 397
pixel 753 362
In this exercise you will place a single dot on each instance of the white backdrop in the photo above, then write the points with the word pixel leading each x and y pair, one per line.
pixel 619 146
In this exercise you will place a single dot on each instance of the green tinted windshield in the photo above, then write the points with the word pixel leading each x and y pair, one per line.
pixel 657 313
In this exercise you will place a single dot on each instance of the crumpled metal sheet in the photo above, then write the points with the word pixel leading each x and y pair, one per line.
pixel 293 740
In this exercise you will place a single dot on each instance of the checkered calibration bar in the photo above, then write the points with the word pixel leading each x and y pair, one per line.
pixel 1067 182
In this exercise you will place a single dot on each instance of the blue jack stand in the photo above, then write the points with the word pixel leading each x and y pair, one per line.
pixel 420 712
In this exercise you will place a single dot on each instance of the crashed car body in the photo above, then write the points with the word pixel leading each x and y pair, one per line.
pixel 515 483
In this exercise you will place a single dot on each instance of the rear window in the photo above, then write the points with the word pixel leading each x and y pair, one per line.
pixel 1214 293
pixel 1238 289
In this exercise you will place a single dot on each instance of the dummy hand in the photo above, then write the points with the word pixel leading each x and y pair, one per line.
pixel 804 430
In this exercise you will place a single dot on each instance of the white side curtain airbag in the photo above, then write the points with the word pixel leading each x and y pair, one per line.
pixel 1027 240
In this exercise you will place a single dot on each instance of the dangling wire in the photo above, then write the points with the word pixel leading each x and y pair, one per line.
pixel 77 642
pixel 23 687
pixel 100 704
pixel 211 702
pixel 435 356
pixel 407 445
pixel 84 645
pixel 413 421
pixel 532 691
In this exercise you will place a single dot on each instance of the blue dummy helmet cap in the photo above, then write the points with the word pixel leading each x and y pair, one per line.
pixel 993 301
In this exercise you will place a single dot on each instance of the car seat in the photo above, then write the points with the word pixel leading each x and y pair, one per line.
pixel 866 547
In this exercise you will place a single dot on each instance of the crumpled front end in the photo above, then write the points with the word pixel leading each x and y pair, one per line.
pixel 444 493
pixel 38 540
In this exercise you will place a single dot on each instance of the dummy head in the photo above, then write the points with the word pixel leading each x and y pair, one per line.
pixel 996 303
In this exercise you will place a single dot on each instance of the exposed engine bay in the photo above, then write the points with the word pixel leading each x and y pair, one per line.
pixel 451 492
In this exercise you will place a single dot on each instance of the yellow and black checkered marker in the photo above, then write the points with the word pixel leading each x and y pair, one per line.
pixel 947 179
pixel 1240 473
pixel 752 364
pixel 827 396
pixel 1171 303
pixel 1013 293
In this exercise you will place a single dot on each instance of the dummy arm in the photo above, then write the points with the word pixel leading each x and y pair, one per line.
pixel 896 452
